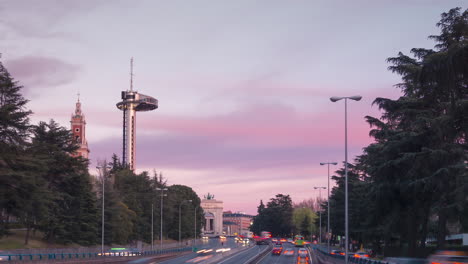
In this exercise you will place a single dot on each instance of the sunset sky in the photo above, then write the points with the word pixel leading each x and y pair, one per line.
pixel 243 86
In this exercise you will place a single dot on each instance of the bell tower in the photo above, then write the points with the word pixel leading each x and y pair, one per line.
pixel 78 127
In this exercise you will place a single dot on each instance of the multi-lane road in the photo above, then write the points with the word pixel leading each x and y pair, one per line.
pixel 241 253
pixel 244 256
pixel 284 258
pixel 213 244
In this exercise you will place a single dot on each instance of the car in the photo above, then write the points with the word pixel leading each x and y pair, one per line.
pixel 288 253
pixel 222 237
pixel 337 252
pixel 274 240
pixel 448 257
pixel 277 251
pixel 290 240
pixel 278 243
pixel 204 237
pixel 361 254
pixel 261 241
pixel 302 256
pixel 283 240
pixel 302 252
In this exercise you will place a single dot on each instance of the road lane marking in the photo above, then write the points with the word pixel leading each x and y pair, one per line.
pixel 198 259
pixel 235 255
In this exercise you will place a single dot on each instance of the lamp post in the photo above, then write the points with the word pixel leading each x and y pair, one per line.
pixel 152 225
pixel 180 217
pixel 328 220
pixel 240 224
pixel 335 99
pixel 103 176
pixel 162 198
pixel 195 227
pixel 320 212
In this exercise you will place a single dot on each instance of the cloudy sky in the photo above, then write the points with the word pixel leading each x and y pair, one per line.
pixel 243 86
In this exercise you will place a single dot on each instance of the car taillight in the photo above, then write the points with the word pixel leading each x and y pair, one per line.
pixel 366 256
pixel 435 263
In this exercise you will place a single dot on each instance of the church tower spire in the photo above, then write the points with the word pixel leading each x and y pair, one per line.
pixel 78 127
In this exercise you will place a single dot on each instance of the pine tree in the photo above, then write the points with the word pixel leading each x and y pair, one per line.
pixel 14 131
pixel 72 215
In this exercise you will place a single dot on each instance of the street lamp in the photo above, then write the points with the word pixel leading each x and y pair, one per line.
pixel 320 212
pixel 152 224
pixel 240 224
pixel 195 227
pixel 162 197
pixel 328 221
pixel 335 99
pixel 103 175
pixel 180 219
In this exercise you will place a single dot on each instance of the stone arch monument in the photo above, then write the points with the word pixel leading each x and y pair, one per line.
pixel 213 216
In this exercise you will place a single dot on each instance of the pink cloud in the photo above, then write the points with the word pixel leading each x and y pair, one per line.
pixel 267 125
pixel 250 139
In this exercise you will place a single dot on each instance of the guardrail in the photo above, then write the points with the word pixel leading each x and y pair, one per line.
pixel 90 255
pixel 261 255
pixel 351 259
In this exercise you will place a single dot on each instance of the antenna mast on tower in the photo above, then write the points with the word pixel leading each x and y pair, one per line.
pixel 131 74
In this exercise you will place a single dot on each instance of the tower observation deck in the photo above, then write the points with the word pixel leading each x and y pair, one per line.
pixel 132 102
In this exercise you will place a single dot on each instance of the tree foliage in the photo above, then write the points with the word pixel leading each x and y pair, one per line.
pixel 276 217
pixel 411 183
pixel 303 220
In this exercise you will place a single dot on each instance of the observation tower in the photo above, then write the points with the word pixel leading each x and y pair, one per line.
pixel 132 102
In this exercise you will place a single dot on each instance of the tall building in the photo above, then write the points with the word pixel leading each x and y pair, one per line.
pixel 78 127
pixel 132 101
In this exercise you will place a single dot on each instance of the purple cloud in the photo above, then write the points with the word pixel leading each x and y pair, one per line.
pixel 39 20
pixel 36 72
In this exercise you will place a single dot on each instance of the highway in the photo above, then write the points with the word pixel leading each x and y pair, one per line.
pixel 244 256
pixel 236 258
pixel 212 243
pixel 282 259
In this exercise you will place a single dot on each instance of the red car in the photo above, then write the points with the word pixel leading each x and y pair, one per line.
pixel 277 251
